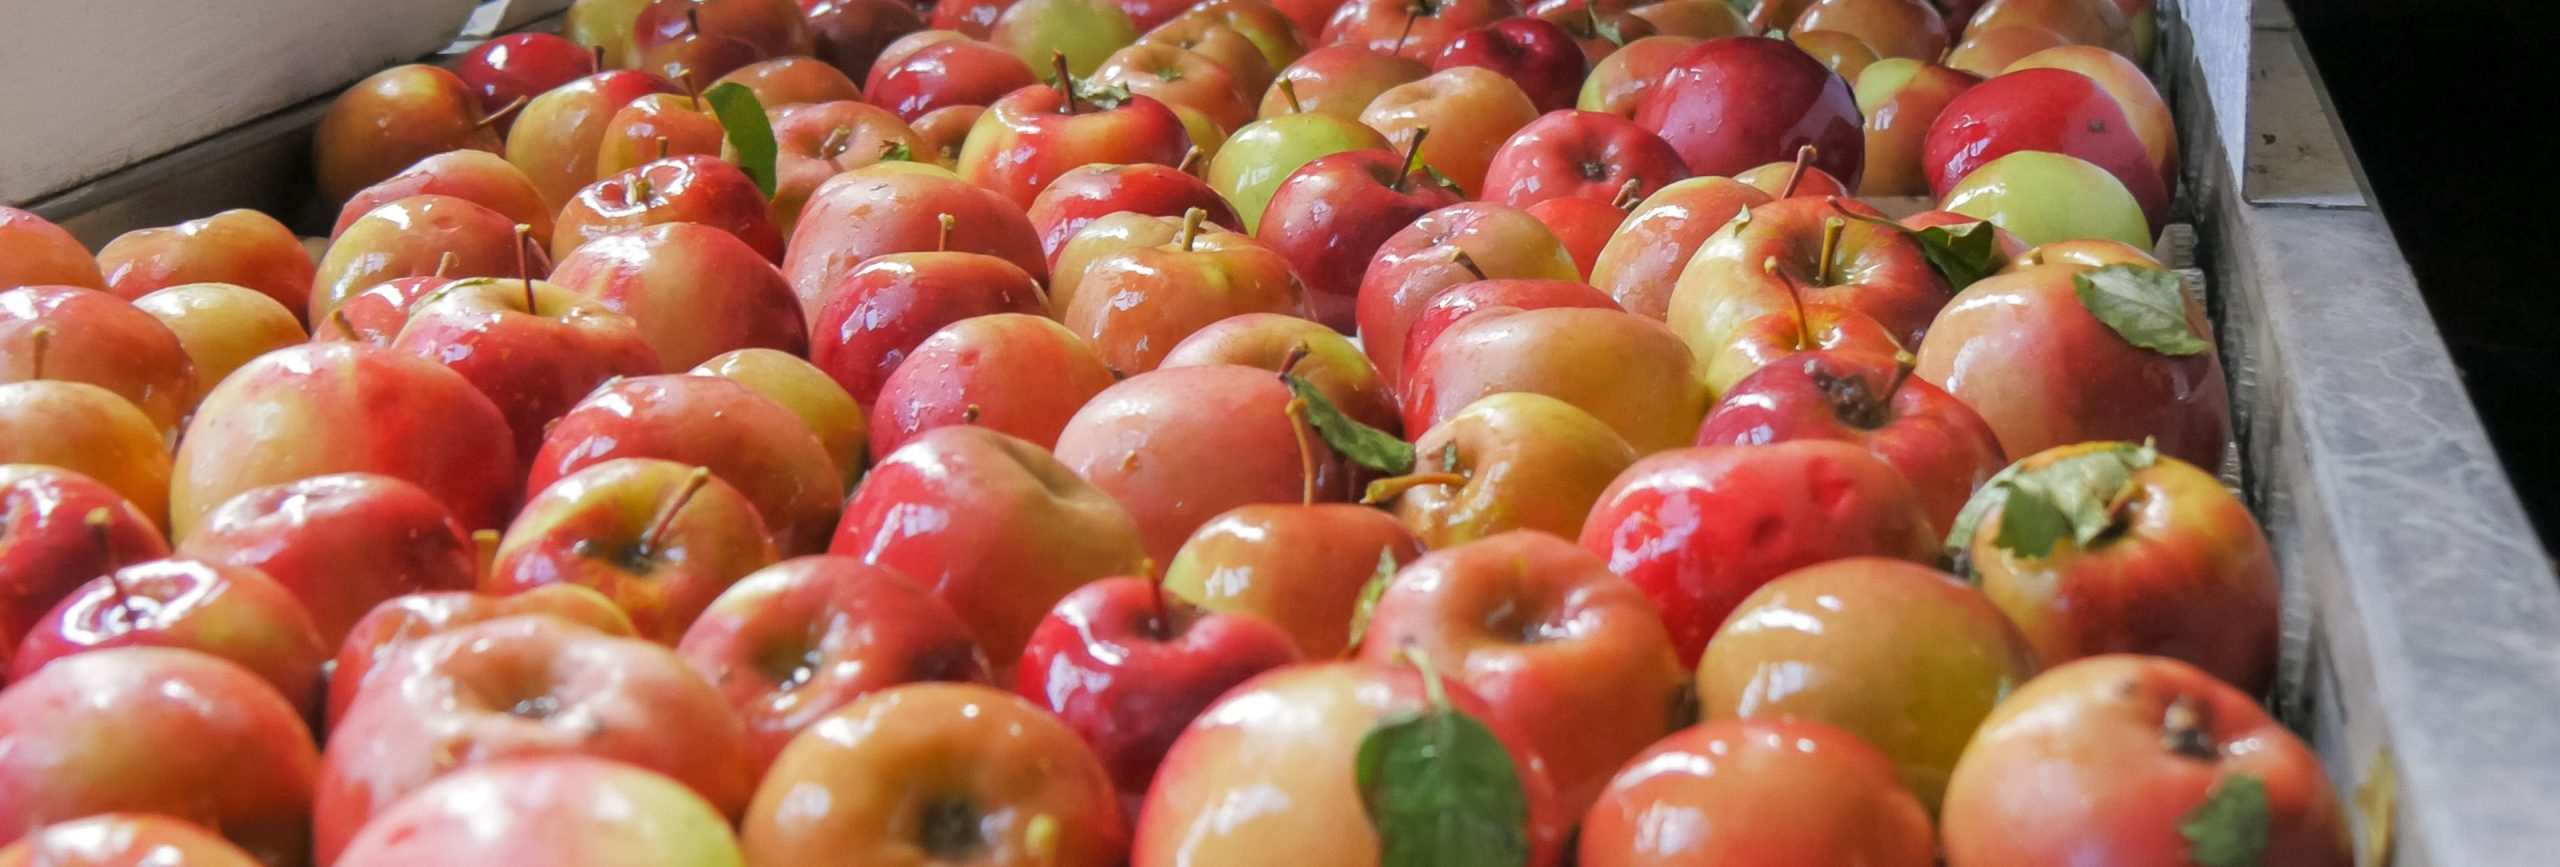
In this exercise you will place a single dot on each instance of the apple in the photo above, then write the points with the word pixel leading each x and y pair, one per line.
pixel 59 528
pixel 337 407
pixel 1300 567
pixel 2046 369
pixel 376 315
pixel 1510 461
pixel 95 732
pixel 1306 349
pixel 1473 109
pixel 2084 22
pixel 1034 134
pixel 1087 193
pixel 35 252
pixel 341 544
pixel 480 177
pixel 221 326
pixel 870 320
pixel 807 392
pixel 1618 83
pixel 816 142
pixel 1584 226
pixel 1466 299
pixel 1757 792
pixel 391 119
pixel 123 838
pixel 1584 154
pixel 81 428
pixel 1892 28
pixel 232 612
pixel 945 131
pixel 1642 263
pixel 1339 79
pixel 745 438
pixel 1276 32
pixel 1104 236
pixel 1561 650
pixel 1628 371
pixel 1806 326
pixel 1014 373
pixel 1701 528
pixel 685 189
pixel 1460 243
pixel 603 26
pixel 534 348
pixel 72 334
pixel 2133 92
pixel 1938 443
pixel 2138 759
pixel 1178 78
pixel 1901 99
pixel 939 772
pixel 557 136
pixel 1541 56
pixel 659 538
pixel 1794 179
pixel 657 126
pixel 972 19
pixel 1425 29
pixel 1985 52
pixel 850 34
pixel 1737 102
pixel 783 82
pixel 1294 736
pixel 419 236
pixel 2166 562
pixel 899 208
pixel 510 70
pixel 567 810
pixel 2005 245
pixel 944 74
pixel 1802 254
pixel 689 291
pixel 239 246
pixel 2042 109
pixel 1222 43
pixel 1126 669
pixel 1331 215
pixel 1843 54
pixel 711 38
pixel 1250 166
pixel 522 688
pixel 1081 31
pixel 1694 19
pixel 1598 31
pixel 2043 197
pixel 400 620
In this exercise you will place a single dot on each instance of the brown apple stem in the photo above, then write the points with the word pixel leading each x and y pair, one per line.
pixel 1822 268
pixel 1432 688
pixel 637 195
pixel 1411 15
pixel 942 238
pixel 1903 365
pixel 1289 91
pixel 1298 424
pixel 499 116
pixel 37 342
pixel 836 141
pixel 1795 299
pixel 693 18
pixel 1459 256
pixel 662 147
pixel 668 508
pixel 1626 200
pixel 692 91
pixel 1190 161
pixel 98 520
pixel 1795 177
pixel 1160 617
pixel 1191 221
pixel 338 318
pixel 1389 488
pixel 598 51
pixel 524 266
pixel 446 263
pixel 1412 157
pixel 1066 82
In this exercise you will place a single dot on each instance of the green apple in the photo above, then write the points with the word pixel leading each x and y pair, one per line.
pixel 1087 31
pixel 1253 162
pixel 2043 197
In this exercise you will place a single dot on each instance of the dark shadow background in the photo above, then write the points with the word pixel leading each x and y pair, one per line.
pixel 2449 104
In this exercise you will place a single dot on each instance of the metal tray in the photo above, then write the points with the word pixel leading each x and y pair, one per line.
pixel 2423 630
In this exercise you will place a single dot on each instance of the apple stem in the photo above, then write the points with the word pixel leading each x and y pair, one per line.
pixel 1627 199
pixel 98 520
pixel 338 317
pixel 662 147
pixel 1392 487
pixel 969 414
pixel 524 266
pixel 1289 91
pixel 597 51
pixel 693 18
pixel 495 117
pixel 446 263
pixel 639 190
pixel 1459 255
pixel 1066 81
pixel 692 91
pixel 667 510
pixel 1903 365
pixel 1190 163
pixel 1160 622
pixel 1191 220
pixel 1822 268
pixel 37 342
pixel 1412 157
pixel 942 239
pixel 836 141
pixel 1296 410
pixel 1412 14
pixel 1795 298
pixel 1795 177
pixel 1431 685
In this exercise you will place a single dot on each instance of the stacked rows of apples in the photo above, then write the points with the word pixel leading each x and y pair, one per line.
pixel 1070 432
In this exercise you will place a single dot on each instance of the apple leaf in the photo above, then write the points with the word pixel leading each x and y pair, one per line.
pixel 750 132
pixel 1364 445
pixel 2072 498
pixel 2230 828
pixel 1105 96
pixel 1369 595
pixel 898 152
pixel 2145 305
pixel 1441 790
pixel 1962 253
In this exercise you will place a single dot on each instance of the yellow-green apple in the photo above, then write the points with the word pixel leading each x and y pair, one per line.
pixel 221 326
pixel 1465 299
pixel 2057 354
pixel 419 236
pixel 81 428
pixel 1560 649
pixel 1806 326
pixel 792 642
pixel 1306 349
pixel 709 38
pixel 59 528
pixel 747 439
pixel 1251 164
pixel 2042 109
pixel 936 773
pixel 1127 668
pixel 1340 80
pixel 232 612
pixel 1510 461
pixel 337 407
pixel 1695 19
pixel 2140 760
pixel 1471 109
pixel 1617 83
pixel 659 538
pixel 1330 216
pixel 1460 243
pixel 1787 180
pixel 1309 727
pixel 2159 558
pixel 1223 44
pixel 35 252
pixel 2083 252
pixel 1104 236
pixel 1757 792
pixel 1986 52
pixel 1274 31
pixel 816 142
pixel 654 126
pixel 605 27
pixel 1084 32
pixel 1015 373
pixel 1584 154
pixel 1539 55
pixel 945 74
pixel 1424 29
pixel 342 544
pixel 1584 226
pixel 2133 92
pixel 558 135
pixel 807 392
pixel 158 730
pixel 1301 567
pixel 480 177
pixel 123 839
pixel 1937 442
pixel 1625 370
pixel 690 292
pixel 400 620
pixel 1901 99
pixel 568 811
pixel 685 189
pixel 391 119
pixel 868 321
pixel 508 71
pixel 1893 28
pixel 1177 446
pixel 849 34
pixel 73 334
pixel 532 347
pixel 1701 528
pixel 1088 193
pixel 1799 254
pixel 1843 54
pixel 241 247
pixel 1730 104
pixel 2043 197
pixel 1643 261
pixel 519 688
pixel 1178 78
pixel 900 208
pixel 1034 134
pixel 1906 657
pixel 793 80
pixel 993 525
pixel 2083 22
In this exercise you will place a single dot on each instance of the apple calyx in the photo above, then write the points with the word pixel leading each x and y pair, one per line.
pixel 948 830
pixel 37 342
pixel 1853 403
pixel 1366 608
pixel 2144 305
pixel 2229 828
pixel 2182 729
pixel 969 414
pixel 896 152
pixel 1439 786
pixel 655 536
pixel 1412 158
pixel 1795 176
pixel 1191 220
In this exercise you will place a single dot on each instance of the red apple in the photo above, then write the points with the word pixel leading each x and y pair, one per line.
pixel 793 80
pixel 1893 28
pixel 72 334
pixel 898 208
pixel 1937 442
pixel 222 326
pixel 1210 36
pixel 1582 154
pixel 377 638
pixel 376 315
pixel 419 236
pixel 690 291
pixel 1643 261
pixel 659 538
pixel 479 177
pixel 532 347
pixel 851 33
pixel 2133 92
pixel 1761 793
pixel 1105 236
pixel 1036 133
pixel 1330 216
pixel 1509 461
pixel 747 440
pixel 58 529
pixel 1540 55
pixel 819 141
pixel 233 612
pixel 342 544
pixel 709 38
pixel 1471 111
pixel 1301 567
pixel 1419 261
pixel 1628 371
pixel 1736 102
pixel 84 429
pixel 1600 30
pixel 1584 226
pixel 1466 299
pixel 684 189
pixel 2042 109
pixel 1178 79
pixel 657 126
pixel 1803 254
pixel 240 247
pixel 1901 99
pixel 391 119
pixel 35 252
pixel 510 70
pixel 1014 373
pixel 880 311
pixel 1339 79
pixel 945 74
pixel 565 811
pixel 557 136
pixel 1135 304
pixel 116 839
pixel 807 392
pixel 1088 193
pixel 1390 26
pixel 1618 83
pixel 1306 349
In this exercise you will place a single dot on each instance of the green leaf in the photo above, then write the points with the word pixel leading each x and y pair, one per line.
pixel 750 132
pixel 2230 828
pixel 897 152
pixel 2070 499
pixel 1369 595
pixel 1957 550
pixel 1602 27
pixel 1441 790
pixel 1106 96
pixel 1963 253
pixel 2144 304
pixel 1364 445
